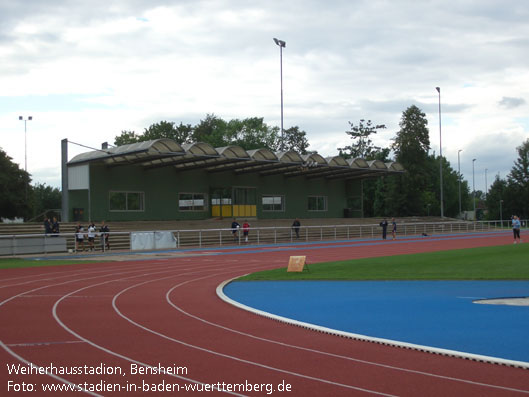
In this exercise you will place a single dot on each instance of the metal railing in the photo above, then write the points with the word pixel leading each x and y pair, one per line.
pixel 210 238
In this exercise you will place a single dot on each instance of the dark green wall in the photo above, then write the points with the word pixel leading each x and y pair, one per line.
pixel 161 187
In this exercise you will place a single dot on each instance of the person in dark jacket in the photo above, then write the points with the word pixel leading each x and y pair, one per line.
pixel 296 225
pixel 384 225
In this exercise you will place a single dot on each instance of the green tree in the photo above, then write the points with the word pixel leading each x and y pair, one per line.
pixel 518 181
pixel 15 191
pixel 377 197
pixel 496 200
pixel 251 133
pixel 362 145
pixel 450 189
pixel 411 146
pixel 126 138
pixel 45 198
pixel 295 139
pixel 212 130
pixel 164 129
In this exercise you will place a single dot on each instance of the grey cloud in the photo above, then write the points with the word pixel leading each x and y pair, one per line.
pixel 510 102
pixel 394 106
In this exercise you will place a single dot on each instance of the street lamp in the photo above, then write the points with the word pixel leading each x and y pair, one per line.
pixel 440 153
pixel 473 189
pixel 25 141
pixel 282 44
pixel 459 174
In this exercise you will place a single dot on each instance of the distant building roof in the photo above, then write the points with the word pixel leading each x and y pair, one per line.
pixel 167 153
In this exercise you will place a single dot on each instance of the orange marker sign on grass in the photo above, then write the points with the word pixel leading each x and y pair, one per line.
pixel 296 264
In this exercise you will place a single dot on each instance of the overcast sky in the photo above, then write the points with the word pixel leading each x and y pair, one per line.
pixel 86 70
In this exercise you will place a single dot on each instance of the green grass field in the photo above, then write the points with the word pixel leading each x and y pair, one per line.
pixel 10 263
pixel 507 262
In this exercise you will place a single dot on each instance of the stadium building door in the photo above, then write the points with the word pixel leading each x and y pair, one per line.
pixel 244 202
pixel 221 202
pixel 236 202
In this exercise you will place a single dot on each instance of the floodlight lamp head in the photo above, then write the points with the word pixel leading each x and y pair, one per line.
pixel 20 118
pixel 280 43
pixel 30 118
pixel 438 89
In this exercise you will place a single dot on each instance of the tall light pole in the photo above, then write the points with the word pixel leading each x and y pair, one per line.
pixel 473 189
pixel 282 44
pixel 486 184
pixel 440 153
pixel 459 177
pixel 501 214
pixel 29 118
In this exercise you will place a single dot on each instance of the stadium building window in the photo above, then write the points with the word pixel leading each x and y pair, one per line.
pixel 317 203
pixel 126 201
pixel 273 203
pixel 192 202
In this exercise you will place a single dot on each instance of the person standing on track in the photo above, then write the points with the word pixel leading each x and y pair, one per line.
pixel 79 237
pixel 296 225
pixel 245 230
pixel 91 235
pixel 235 229
pixel 394 228
pixel 47 226
pixel 384 225
pixel 516 229
pixel 105 234
pixel 55 227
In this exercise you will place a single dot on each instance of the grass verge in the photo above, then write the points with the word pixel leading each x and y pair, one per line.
pixel 506 262
pixel 11 263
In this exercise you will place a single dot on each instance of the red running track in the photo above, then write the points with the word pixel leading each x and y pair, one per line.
pixel 114 317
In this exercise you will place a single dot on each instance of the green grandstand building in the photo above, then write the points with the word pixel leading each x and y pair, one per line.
pixel 163 180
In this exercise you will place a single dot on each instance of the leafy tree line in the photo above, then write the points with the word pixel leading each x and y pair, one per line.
pixel 20 199
pixel 511 195
pixel 415 192
pixel 250 133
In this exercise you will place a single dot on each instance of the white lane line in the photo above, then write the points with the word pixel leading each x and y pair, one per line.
pixel 226 355
pixel 20 358
pixel 63 274
pixel 32 344
pixel 116 354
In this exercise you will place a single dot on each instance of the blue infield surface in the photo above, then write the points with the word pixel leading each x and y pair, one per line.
pixel 431 313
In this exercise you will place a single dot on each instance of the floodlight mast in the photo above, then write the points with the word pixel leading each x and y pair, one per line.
pixel 282 44
pixel 440 154
pixel 29 118
pixel 473 188
pixel 459 178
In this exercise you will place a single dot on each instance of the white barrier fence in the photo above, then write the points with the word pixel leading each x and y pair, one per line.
pixel 23 244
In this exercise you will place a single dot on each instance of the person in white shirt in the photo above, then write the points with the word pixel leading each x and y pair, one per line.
pixel 91 235
pixel 79 237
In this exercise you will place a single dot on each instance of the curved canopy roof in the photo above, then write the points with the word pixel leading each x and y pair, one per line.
pixel 357 163
pixel 167 153
pixel 377 165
